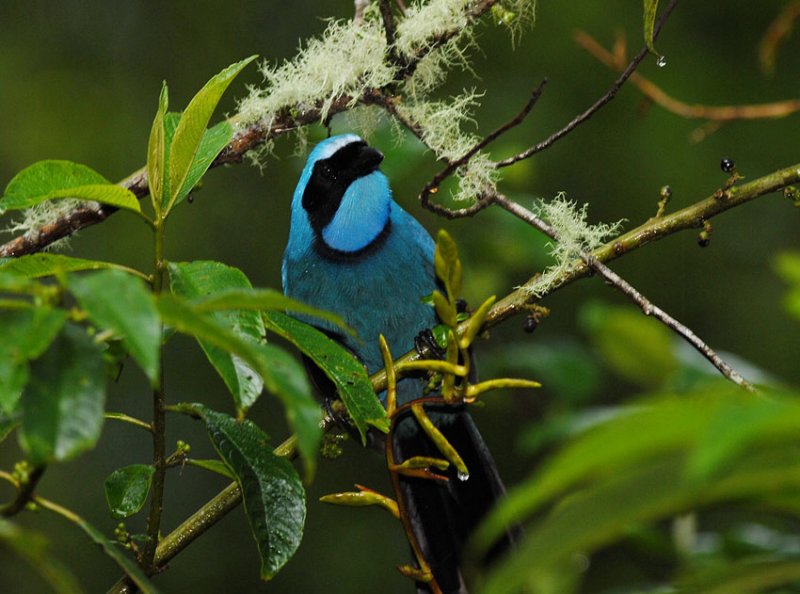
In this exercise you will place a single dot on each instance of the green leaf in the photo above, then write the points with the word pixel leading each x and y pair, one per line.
pixel 787 266
pixel 122 303
pixel 447 264
pixel 265 300
pixel 742 576
pixel 185 149
pixel 32 547
pixel 273 496
pixel 38 265
pixel 156 152
pixel 205 279
pixel 282 374
pixel 14 283
pixel 48 180
pixel 26 335
pixel 216 466
pixel 214 140
pixel 642 466
pixel 445 309
pixel 636 347
pixel 62 405
pixel 347 374
pixel 127 488
pixel 650 11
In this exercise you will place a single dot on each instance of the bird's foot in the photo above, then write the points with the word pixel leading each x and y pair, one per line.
pixel 427 347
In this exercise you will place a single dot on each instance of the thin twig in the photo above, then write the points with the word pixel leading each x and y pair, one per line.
pixel 433 186
pixel 597 105
pixel 388 22
pixel 716 113
pixel 778 32
pixel 24 493
pixel 625 287
pixel 690 217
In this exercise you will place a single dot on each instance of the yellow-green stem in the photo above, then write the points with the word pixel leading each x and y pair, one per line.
pixel 159 427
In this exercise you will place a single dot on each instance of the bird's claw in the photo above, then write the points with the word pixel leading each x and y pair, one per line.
pixel 427 347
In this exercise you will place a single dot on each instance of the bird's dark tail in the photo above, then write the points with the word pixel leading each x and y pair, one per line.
pixel 442 514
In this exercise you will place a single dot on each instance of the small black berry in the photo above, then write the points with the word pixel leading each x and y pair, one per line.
pixel 727 165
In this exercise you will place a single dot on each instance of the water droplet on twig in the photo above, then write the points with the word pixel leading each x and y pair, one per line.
pixel 463 476
pixel 661 61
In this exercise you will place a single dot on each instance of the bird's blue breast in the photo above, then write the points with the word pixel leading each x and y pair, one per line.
pixel 377 293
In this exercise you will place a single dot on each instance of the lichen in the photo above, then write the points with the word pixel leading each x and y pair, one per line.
pixel 43 214
pixel 365 120
pixel 426 22
pixel 441 125
pixel 576 236
pixel 346 60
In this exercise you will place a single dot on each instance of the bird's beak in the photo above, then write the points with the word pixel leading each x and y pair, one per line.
pixel 368 160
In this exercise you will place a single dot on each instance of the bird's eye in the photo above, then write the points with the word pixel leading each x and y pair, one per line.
pixel 327 172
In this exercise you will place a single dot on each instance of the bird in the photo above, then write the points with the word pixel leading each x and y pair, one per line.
pixel 354 251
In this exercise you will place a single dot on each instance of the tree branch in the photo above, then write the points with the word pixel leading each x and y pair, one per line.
pixel 717 113
pixel 625 287
pixel 433 186
pixel 597 105
pixel 691 217
pixel 244 140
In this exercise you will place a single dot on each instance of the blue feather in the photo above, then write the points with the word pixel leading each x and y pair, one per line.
pixel 379 292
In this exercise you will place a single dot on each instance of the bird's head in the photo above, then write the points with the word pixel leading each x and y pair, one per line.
pixel 342 196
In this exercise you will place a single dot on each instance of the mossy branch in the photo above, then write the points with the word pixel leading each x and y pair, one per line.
pixel 249 136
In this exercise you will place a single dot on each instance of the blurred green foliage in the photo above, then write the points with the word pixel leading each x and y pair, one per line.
pixel 80 81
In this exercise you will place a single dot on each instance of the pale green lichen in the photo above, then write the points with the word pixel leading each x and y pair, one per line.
pixel 477 178
pixel 424 23
pixel 431 71
pixel 351 57
pixel 365 120
pixel 441 125
pixel 346 60
pixel 515 14
pixel 45 213
pixel 576 236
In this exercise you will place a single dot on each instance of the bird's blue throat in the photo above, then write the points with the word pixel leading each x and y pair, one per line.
pixel 348 201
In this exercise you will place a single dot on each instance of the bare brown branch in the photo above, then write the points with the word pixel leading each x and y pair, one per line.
pixel 778 32
pixel 597 105
pixel 722 113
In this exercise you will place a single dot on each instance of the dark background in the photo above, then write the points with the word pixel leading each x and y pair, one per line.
pixel 80 81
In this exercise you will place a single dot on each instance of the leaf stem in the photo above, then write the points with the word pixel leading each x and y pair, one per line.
pixel 116 416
